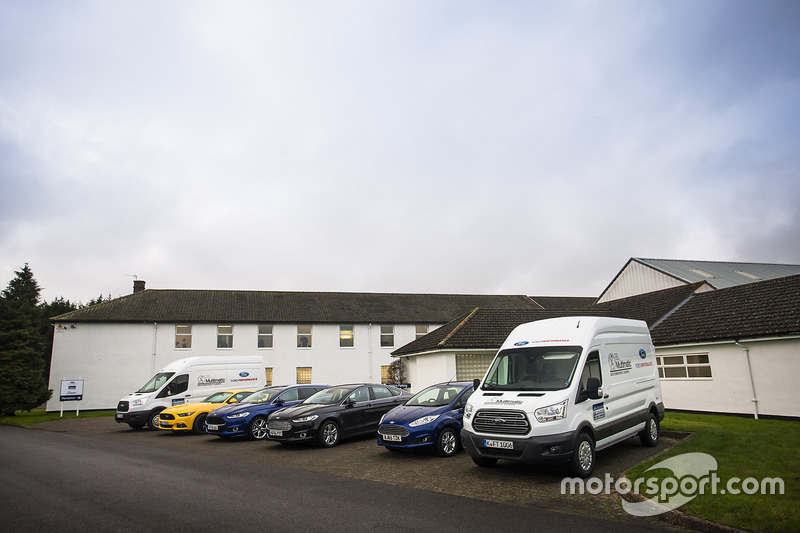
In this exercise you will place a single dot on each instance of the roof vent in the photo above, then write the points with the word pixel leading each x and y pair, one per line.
pixel 748 275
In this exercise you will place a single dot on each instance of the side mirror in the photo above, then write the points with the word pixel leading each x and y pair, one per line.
pixel 593 388
pixel 233 400
pixel 476 383
pixel 278 402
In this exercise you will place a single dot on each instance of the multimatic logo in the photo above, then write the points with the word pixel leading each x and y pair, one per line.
pixel 206 381
pixel 618 366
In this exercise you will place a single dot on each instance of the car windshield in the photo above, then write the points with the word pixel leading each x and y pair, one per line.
pixel 329 396
pixel 435 396
pixel 262 396
pixel 156 382
pixel 533 369
pixel 218 397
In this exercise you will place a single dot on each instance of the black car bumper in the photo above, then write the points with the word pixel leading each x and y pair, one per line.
pixel 535 450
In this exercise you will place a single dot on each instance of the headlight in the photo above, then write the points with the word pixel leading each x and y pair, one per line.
pixel 308 418
pixel 137 402
pixel 468 411
pixel 186 414
pixel 239 415
pixel 551 412
pixel 424 420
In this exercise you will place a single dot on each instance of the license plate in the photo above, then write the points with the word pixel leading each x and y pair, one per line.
pixel 164 424
pixel 393 438
pixel 503 444
pixel 212 427
pixel 275 433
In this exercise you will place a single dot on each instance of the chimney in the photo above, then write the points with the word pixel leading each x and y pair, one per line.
pixel 138 285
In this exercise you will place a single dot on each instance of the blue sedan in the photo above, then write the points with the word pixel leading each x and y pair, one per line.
pixel 249 417
pixel 431 418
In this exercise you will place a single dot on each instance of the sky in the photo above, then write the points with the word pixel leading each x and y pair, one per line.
pixel 414 146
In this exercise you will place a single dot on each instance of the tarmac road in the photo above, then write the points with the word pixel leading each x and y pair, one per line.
pixel 93 473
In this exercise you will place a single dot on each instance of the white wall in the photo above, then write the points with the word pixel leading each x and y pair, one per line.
pixel 117 359
pixel 775 367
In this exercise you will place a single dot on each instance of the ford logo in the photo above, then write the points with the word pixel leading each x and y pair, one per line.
pixel 244 374
pixel 499 421
pixel 642 353
pixel 521 343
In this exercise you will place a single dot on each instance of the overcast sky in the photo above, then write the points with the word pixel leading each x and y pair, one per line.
pixel 511 147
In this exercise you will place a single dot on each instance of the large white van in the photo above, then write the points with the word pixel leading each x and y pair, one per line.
pixel 562 388
pixel 189 380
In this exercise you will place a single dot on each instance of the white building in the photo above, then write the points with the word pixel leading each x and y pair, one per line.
pixel 304 337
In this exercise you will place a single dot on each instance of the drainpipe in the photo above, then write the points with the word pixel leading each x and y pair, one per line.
pixel 155 337
pixel 369 350
pixel 750 374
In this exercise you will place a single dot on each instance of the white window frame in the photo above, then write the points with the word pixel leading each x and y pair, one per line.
pixel 183 336
pixel 221 335
pixel 687 361
pixel 387 332
pixel 264 336
pixel 308 336
pixel 347 335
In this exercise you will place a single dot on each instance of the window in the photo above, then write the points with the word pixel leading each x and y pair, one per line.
pixel 183 336
pixel 265 336
pixel 421 331
pixel 290 395
pixel 386 374
pixel 381 392
pixel 176 386
pixel 689 366
pixel 268 373
pixel 304 337
pixel 304 374
pixel 307 392
pixel 472 366
pixel 346 336
pixel 224 336
pixel 359 395
pixel 387 336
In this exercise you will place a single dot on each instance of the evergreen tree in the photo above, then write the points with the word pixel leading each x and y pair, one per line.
pixel 23 383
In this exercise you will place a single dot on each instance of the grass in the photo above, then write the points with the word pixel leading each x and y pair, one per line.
pixel 35 416
pixel 743 448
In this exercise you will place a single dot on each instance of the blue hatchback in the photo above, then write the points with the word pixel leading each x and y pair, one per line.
pixel 432 417
pixel 249 417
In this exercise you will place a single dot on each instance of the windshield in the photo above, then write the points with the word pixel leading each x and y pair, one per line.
pixel 435 396
pixel 262 396
pixel 534 369
pixel 329 396
pixel 156 382
pixel 218 397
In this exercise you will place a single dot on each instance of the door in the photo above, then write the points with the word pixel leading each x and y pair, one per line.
pixel 353 416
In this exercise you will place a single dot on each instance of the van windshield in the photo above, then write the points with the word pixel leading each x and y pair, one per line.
pixel 156 382
pixel 533 369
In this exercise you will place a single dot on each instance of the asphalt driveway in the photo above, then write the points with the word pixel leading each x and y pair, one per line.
pixel 363 459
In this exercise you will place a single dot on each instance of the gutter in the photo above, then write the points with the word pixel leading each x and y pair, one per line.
pixel 750 374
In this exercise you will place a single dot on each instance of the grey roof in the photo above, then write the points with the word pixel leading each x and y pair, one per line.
pixel 721 274
pixel 675 316
pixel 276 307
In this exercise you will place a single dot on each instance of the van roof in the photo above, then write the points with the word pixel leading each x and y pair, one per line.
pixel 573 331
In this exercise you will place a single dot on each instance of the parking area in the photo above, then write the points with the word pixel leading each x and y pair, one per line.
pixel 363 459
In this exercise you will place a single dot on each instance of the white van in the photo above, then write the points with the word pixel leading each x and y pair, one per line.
pixel 189 380
pixel 562 388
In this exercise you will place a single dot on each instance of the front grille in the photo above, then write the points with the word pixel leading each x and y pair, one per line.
pixel 166 416
pixel 391 429
pixel 501 422
pixel 122 407
pixel 215 420
pixel 281 425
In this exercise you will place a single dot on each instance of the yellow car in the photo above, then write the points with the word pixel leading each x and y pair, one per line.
pixel 192 416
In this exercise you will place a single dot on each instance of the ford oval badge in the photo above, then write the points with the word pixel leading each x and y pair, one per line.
pixel 521 343
pixel 642 353
pixel 244 374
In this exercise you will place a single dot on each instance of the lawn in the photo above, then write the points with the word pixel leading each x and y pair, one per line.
pixel 35 416
pixel 744 448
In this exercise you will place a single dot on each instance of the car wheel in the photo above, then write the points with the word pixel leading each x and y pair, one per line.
pixel 447 443
pixel 649 435
pixel 484 461
pixel 199 426
pixel 258 428
pixel 328 434
pixel 152 420
pixel 583 458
